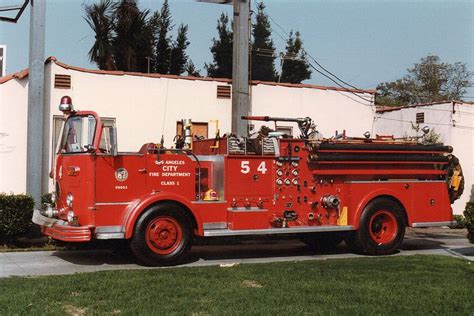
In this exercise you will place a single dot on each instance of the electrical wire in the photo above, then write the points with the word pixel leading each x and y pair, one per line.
pixel 427 123
pixel 318 64
pixel 324 68
pixel 312 58
pixel 285 56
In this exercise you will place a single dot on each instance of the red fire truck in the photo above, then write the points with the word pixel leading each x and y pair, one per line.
pixel 364 190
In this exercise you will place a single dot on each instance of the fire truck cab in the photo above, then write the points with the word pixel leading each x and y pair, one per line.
pixel 361 189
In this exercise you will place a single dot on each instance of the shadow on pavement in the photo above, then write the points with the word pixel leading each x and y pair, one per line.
pixel 214 249
pixel 95 257
pixel 421 244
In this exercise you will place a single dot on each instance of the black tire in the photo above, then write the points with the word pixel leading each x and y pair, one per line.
pixel 381 229
pixel 162 235
pixel 323 241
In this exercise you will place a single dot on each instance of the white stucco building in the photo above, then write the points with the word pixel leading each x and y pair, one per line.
pixel 147 106
pixel 453 121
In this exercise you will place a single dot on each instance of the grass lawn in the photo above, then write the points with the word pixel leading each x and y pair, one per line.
pixel 390 285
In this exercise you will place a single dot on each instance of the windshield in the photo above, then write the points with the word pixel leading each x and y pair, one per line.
pixel 78 134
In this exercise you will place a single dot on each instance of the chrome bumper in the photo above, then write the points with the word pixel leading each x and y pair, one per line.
pixel 40 219
pixel 60 230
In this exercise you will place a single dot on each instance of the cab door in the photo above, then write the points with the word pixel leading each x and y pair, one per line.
pixel 120 179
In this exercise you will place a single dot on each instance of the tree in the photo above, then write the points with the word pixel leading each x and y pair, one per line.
pixel 123 35
pixel 98 16
pixel 127 39
pixel 295 67
pixel 191 69
pixel 178 55
pixel 163 44
pixel 430 80
pixel 132 38
pixel 221 50
pixel 263 50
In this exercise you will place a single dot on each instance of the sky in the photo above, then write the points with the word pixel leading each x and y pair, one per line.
pixel 364 42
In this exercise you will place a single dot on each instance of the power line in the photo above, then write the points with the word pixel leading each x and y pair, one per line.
pixel 427 123
pixel 318 64
pixel 312 58
pixel 294 57
pixel 286 57
pixel 329 72
pixel 431 109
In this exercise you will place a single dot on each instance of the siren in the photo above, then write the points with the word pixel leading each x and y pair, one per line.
pixel 65 105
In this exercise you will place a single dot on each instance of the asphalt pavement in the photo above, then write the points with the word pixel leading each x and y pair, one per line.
pixel 445 242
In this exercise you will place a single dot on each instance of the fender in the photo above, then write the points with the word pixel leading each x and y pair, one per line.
pixel 139 205
pixel 377 193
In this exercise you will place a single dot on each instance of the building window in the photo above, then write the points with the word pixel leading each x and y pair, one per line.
pixel 197 129
pixel 62 81
pixel 58 123
pixel 223 92
pixel 288 130
pixel 420 117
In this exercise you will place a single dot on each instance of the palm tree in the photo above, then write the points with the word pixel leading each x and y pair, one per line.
pixel 132 40
pixel 98 16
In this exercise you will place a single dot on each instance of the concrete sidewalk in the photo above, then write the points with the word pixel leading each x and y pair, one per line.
pixel 417 242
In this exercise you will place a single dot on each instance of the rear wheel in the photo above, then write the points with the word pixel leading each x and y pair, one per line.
pixel 381 228
pixel 162 235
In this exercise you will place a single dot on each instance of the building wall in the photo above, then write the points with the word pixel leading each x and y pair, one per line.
pixel 144 108
pixel 331 110
pixel 13 119
pixel 462 135
pixel 455 129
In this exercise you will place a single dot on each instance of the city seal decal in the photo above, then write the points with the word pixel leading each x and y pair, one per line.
pixel 121 174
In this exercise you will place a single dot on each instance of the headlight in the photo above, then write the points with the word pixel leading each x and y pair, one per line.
pixel 53 197
pixel 69 199
pixel 70 216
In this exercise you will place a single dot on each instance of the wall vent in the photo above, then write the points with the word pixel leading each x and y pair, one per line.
pixel 62 81
pixel 223 92
pixel 420 117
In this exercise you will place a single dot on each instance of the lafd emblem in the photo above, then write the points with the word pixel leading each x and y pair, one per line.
pixel 121 174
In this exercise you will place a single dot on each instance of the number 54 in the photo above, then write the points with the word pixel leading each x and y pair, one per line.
pixel 245 167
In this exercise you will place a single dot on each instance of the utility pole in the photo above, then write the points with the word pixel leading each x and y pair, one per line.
pixel 34 152
pixel 240 63
pixel 240 67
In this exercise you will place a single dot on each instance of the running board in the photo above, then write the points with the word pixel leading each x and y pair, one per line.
pixel 271 231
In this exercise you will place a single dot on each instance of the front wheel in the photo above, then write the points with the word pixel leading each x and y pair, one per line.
pixel 162 235
pixel 381 229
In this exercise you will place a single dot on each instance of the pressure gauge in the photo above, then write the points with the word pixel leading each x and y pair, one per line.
pixel 294 163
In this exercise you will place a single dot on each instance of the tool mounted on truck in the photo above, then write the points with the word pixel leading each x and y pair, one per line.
pixel 363 190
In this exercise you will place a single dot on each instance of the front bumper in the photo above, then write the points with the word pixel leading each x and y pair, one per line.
pixel 60 230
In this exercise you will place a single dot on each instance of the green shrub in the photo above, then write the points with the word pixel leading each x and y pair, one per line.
pixel 15 215
pixel 469 219
pixel 460 222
